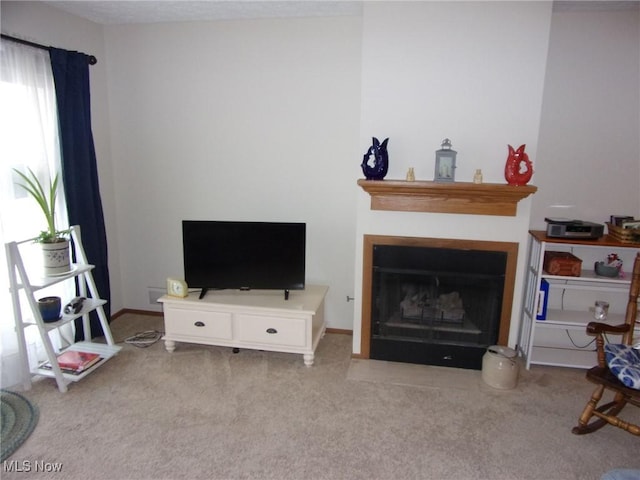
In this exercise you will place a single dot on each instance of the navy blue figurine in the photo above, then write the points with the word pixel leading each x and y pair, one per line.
pixel 375 162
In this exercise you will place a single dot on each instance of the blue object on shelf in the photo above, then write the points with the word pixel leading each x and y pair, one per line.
pixel 543 294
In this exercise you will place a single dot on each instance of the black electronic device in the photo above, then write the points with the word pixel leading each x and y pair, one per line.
pixel 244 255
pixel 566 228
pixel 74 306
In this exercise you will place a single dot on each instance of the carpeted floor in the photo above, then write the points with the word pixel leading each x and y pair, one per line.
pixel 207 413
pixel 412 375
pixel 18 418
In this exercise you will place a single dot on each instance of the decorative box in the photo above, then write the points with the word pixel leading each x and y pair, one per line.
pixel 562 263
pixel 624 235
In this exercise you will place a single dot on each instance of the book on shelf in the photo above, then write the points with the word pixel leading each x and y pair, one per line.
pixel 74 362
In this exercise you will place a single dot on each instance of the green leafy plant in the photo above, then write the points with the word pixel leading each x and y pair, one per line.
pixel 47 202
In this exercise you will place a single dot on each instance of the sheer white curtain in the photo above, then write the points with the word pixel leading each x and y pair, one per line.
pixel 28 139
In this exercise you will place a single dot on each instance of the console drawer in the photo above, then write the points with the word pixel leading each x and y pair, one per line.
pixel 198 323
pixel 271 330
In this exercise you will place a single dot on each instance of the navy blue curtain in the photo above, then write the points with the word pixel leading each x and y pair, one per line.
pixel 79 169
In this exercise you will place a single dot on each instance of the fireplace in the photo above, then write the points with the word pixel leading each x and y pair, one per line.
pixel 459 216
pixel 435 301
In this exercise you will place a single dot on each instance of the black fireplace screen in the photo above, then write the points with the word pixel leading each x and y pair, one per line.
pixel 435 306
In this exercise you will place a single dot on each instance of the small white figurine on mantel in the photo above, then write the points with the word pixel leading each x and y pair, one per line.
pixel 411 176
pixel 477 178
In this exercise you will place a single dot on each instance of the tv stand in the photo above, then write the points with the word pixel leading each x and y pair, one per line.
pixel 203 292
pixel 255 319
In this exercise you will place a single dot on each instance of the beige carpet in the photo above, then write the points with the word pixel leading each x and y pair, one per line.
pixel 206 413
pixel 427 376
pixel 412 375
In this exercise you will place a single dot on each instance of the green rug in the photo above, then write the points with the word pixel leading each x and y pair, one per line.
pixel 18 418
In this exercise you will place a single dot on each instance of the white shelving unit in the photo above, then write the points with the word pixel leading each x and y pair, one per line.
pixel 560 339
pixel 30 282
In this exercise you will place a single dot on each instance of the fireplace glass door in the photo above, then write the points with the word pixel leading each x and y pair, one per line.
pixel 435 306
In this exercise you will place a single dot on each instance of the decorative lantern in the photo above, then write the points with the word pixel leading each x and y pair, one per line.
pixel 445 163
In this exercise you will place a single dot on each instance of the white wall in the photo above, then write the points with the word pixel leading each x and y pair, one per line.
pixel 469 71
pixel 45 25
pixel 588 161
pixel 271 118
pixel 236 120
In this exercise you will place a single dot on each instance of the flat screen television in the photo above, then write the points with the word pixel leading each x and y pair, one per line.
pixel 244 255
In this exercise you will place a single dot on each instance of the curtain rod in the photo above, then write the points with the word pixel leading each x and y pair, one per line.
pixel 90 58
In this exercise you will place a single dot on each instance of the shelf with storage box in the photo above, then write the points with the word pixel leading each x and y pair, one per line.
pixel 557 335
pixel 254 319
pixel 27 281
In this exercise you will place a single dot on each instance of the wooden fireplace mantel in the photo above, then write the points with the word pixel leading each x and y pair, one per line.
pixel 455 197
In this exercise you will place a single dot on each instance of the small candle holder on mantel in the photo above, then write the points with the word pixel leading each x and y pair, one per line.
pixel 411 176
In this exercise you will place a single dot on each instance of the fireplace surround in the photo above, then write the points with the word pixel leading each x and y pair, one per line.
pixel 435 301
pixel 460 215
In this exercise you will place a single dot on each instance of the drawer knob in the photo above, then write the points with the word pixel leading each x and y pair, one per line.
pixel 272 330
pixel 199 324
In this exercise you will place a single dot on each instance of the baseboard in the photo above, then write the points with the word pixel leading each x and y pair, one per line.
pixel 153 313
pixel 339 331
pixel 134 311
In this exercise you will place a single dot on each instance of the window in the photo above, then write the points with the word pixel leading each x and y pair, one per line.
pixel 28 139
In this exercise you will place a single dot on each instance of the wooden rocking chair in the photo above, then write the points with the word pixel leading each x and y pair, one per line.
pixel 607 414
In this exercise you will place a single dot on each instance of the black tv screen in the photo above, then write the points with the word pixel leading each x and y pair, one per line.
pixel 244 255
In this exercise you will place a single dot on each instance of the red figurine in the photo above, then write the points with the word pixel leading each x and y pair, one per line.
pixel 519 169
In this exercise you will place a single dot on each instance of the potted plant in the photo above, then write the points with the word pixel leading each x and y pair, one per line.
pixel 55 243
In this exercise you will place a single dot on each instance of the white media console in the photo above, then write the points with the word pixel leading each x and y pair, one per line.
pixel 255 319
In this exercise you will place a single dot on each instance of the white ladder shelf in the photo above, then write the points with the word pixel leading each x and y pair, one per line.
pixel 20 280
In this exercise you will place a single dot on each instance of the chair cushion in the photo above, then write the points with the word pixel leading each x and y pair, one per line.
pixel 624 363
